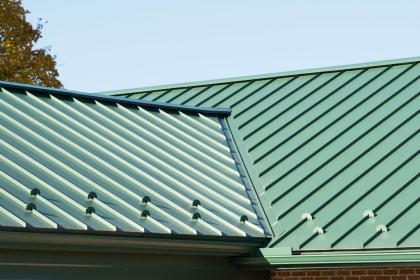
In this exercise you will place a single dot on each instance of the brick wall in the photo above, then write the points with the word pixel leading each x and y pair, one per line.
pixel 406 273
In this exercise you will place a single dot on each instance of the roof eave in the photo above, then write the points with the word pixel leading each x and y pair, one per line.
pixel 332 259
pixel 76 241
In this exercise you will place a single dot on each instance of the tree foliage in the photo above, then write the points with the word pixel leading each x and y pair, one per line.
pixel 20 60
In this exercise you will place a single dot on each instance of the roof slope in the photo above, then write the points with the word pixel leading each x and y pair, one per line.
pixel 78 162
pixel 334 153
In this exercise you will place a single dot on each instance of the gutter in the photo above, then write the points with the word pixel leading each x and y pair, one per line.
pixel 124 242
pixel 282 258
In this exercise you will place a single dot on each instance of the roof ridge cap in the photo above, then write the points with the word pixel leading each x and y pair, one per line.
pixel 307 71
pixel 115 99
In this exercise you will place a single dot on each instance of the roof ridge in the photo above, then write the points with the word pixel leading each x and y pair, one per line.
pixel 115 99
pixel 264 76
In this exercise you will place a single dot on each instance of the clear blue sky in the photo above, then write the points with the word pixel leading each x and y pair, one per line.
pixel 107 45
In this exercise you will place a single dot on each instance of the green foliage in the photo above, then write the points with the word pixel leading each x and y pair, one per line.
pixel 20 61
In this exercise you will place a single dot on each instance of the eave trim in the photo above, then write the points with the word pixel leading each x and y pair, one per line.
pixel 332 259
pixel 121 242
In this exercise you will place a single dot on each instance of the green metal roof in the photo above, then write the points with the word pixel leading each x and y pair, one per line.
pixel 72 161
pixel 333 153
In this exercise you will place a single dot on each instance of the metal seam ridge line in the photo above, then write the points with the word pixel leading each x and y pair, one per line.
pixel 252 78
pixel 116 99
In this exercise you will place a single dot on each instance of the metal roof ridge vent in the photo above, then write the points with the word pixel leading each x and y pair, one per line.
pixel 307 216
pixel 381 228
pixel 144 214
pixel 368 213
pixel 318 230
pixel 30 207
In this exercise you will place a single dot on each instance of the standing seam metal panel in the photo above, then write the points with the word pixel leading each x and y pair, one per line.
pixel 296 132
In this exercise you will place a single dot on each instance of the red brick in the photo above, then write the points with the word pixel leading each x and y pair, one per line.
pixel 306 278
pixel 283 273
pixel 298 273
pixel 351 278
pixel 390 271
pixel 407 271
pixel 404 273
pixel 290 278
pixel 327 272
pixel 399 277
pixel 383 277
pixel 374 272
pixel 367 277
pixel 358 272
pixel 313 273
pixel 343 272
